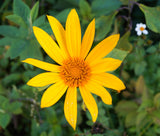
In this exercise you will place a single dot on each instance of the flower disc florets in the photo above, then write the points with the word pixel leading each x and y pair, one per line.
pixel 75 72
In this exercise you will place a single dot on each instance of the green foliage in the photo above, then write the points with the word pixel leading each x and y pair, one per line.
pixel 152 17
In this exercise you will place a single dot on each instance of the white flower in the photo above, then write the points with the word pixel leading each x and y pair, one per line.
pixel 141 28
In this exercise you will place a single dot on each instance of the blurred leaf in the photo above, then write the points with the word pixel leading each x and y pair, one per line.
pixel 156 116
pixel 104 7
pixel 152 15
pixel 17 20
pixel 16 48
pixel 85 9
pixel 117 54
pixel 130 119
pixel 12 78
pixel 124 43
pixel 6 41
pixel 10 31
pixel 5 3
pixel 140 67
pixel 140 86
pixel 62 16
pixel 4 120
pixel 126 2
pixel 22 10
pixel 32 51
pixel 157 100
pixel 103 26
pixel 39 21
pixel 125 107
pixel 14 107
pixel 34 11
pixel 151 49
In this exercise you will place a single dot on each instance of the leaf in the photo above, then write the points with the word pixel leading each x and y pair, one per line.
pixel 22 10
pixel 130 119
pixel 157 100
pixel 125 107
pixel 117 54
pixel 6 41
pixel 124 43
pixel 152 15
pixel 104 7
pixel 31 51
pixel 140 86
pixel 17 20
pixel 85 9
pixel 4 120
pixel 140 67
pixel 16 49
pixel 62 16
pixel 40 21
pixel 10 31
pixel 103 26
pixel 34 11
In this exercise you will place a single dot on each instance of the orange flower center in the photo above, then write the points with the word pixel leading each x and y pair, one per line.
pixel 75 72
pixel 141 28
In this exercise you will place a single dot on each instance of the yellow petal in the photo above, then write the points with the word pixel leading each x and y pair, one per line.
pixel 102 49
pixel 106 64
pixel 97 89
pixel 73 34
pixel 59 33
pixel 88 39
pixel 43 65
pixel 53 94
pixel 48 44
pixel 70 107
pixel 109 81
pixel 89 102
pixel 43 79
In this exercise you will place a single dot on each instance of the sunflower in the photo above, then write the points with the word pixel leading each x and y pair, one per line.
pixel 77 67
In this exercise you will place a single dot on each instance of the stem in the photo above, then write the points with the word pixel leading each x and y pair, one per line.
pixel 145 129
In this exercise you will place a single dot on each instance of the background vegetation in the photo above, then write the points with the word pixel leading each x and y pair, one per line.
pixel 135 111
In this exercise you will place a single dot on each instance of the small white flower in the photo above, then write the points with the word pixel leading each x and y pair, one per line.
pixel 141 28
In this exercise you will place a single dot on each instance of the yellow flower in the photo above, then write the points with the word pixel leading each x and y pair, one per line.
pixel 76 67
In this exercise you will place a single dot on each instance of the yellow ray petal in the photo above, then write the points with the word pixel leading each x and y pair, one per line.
pixel 53 94
pixel 48 44
pixel 73 34
pixel 59 33
pixel 43 79
pixel 43 65
pixel 89 102
pixel 103 48
pixel 106 64
pixel 70 107
pixel 109 81
pixel 88 39
pixel 97 89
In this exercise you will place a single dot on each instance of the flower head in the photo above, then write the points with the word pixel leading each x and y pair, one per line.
pixel 141 28
pixel 76 67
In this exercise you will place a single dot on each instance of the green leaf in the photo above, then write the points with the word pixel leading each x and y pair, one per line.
pixel 16 48
pixel 117 54
pixel 124 43
pixel 125 107
pixel 17 20
pixel 151 49
pixel 140 67
pixel 34 11
pixel 62 16
pixel 6 41
pixel 11 79
pixel 4 120
pixel 140 86
pixel 152 15
pixel 104 7
pixel 10 31
pixel 157 100
pixel 40 21
pixel 22 10
pixel 103 26
pixel 85 9
pixel 15 108
pixel 31 51
pixel 130 119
